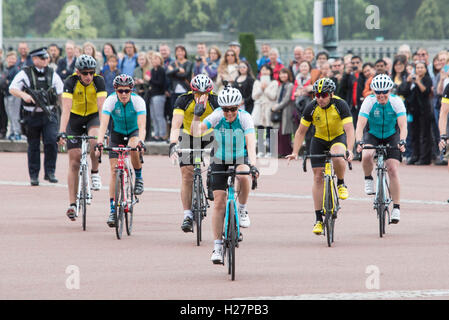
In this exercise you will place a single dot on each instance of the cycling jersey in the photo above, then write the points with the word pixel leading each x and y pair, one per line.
pixel 445 98
pixel 185 105
pixel 230 137
pixel 84 97
pixel 328 121
pixel 124 117
pixel 382 119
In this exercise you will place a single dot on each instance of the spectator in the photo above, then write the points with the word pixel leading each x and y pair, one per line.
pixel 110 73
pixel 245 82
pixel 321 58
pixel 55 55
pixel 297 58
pixel 234 45
pixel 66 66
pixel 338 71
pixel 90 49
pixel 227 70
pixel 201 59
pixel 388 65
pixel 11 103
pixel 142 75
pixel 264 96
pixel 420 88
pixel 423 55
pixel 211 68
pixel 24 59
pixel 108 50
pixel 157 98
pixel 265 50
pixel 309 55
pixel 358 84
pixel 164 50
pixel 129 61
pixel 180 73
pixel 326 71
pixel 381 68
pixel 78 51
pixel 274 63
pixel 406 51
pixel 285 105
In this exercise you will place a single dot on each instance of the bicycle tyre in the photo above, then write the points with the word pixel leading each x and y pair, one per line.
pixel 328 219
pixel 197 208
pixel 84 196
pixel 129 215
pixel 381 205
pixel 119 212
pixel 232 240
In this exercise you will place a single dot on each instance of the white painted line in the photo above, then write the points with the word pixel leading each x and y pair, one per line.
pixel 372 295
pixel 257 195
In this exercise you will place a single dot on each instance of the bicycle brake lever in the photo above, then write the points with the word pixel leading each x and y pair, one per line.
pixel 304 164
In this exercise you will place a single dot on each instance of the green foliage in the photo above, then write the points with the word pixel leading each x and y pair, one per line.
pixel 248 48
pixel 429 25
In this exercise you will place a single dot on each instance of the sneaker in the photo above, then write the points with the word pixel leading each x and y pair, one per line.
pixel 318 228
pixel 96 181
pixel 260 155
pixel 71 213
pixel 187 224
pixel 244 219
pixel 268 155
pixel 369 186
pixel 217 255
pixel 138 187
pixel 342 192
pixel 111 220
pixel 395 215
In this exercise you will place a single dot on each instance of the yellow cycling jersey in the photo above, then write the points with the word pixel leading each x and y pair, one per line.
pixel 84 97
pixel 185 105
pixel 328 121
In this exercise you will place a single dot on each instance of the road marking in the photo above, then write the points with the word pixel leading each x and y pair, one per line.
pixel 258 195
pixel 377 295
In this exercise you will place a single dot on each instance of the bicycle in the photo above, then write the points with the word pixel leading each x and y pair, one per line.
pixel 231 229
pixel 331 203
pixel 199 199
pixel 84 195
pixel 382 198
pixel 124 197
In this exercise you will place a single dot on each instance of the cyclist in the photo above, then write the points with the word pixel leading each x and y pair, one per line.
pixel 334 132
pixel 128 113
pixel 235 145
pixel 183 114
pixel 384 113
pixel 442 121
pixel 82 100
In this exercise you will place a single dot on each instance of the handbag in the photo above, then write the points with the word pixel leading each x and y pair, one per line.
pixel 276 116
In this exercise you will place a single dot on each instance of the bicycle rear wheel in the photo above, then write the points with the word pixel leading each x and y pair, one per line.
pixel 83 200
pixel 232 240
pixel 129 215
pixel 119 209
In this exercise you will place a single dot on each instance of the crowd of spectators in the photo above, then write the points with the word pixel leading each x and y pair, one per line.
pixel 275 94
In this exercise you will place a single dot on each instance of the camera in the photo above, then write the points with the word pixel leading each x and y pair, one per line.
pixel 413 78
pixel 198 58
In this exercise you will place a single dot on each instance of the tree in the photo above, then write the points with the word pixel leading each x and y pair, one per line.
pixel 249 51
pixel 74 22
pixel 429 23
pixel 17 16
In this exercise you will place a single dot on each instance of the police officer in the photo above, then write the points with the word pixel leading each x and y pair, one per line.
pixel 39 78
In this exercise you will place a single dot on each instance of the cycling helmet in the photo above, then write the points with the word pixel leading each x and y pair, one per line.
pixel 201 83
pixel 382 82
pixel 229 97
pixel 324 85
pixel 123 80
pixel 85 62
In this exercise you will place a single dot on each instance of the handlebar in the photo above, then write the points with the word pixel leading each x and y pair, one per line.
pixel 233 172
pixel 187 150
pixel 121 150
pixel 83 137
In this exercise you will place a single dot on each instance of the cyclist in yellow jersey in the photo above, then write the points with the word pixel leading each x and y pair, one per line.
pixel 334 132
pixel 82 100
pixel 204 101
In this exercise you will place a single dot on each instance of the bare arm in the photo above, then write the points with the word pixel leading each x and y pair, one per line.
pixel 104 121
pixel 141 123
pixel 251 147
pixel 442 122
pixel 299 139
pixel 65 114
pixel 197 128
pixel 175 127
pixel 349 130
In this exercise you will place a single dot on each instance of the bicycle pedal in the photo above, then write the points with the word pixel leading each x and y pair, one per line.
pixel 240 237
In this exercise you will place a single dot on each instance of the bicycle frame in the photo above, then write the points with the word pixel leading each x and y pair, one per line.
pixel 231 198
pixel 329 177
pixel 382 181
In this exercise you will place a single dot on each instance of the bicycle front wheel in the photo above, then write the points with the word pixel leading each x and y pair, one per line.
pixel 130 202
pixel 196 208
pixel 84 196
pixel 232 240
pixel 381 210
pixel 328 208
pixel 119 210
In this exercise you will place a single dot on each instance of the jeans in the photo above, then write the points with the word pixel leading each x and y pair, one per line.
pixel 157 105
pixel 12 106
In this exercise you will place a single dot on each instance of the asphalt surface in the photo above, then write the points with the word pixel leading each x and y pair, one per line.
pixel 44 255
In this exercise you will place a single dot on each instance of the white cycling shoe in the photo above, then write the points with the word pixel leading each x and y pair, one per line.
pixel 395 216
pixel 244 220
pixel 217 255
pixel 369 186
pixel 96 181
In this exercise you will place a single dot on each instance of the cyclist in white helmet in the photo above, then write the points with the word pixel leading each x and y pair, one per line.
pixel 386 117
pixel 234 131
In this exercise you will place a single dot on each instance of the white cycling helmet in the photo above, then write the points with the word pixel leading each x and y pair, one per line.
pixel 229 97
pixel 201 83
pixel 382 82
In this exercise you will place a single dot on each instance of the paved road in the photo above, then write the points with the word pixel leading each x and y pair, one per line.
pixel 46 256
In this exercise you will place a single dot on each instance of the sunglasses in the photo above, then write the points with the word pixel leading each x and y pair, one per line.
pixel 233 109
pixel 85 73
pixel 381 92
pixel 124 91
pixel 323 95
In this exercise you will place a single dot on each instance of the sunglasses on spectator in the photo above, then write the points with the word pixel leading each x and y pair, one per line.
pixel 381 92
pixel 233 109
pixel 124 91
pixel 85 73
pixel 323 95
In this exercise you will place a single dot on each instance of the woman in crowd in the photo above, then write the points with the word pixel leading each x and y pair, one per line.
pixel 227 70
pixel 302 95
pixel 285 105
pixel 274 64
pixel 157 98
pixel 142 75
pixel 211 67
pixel 245 82
pixel 90 50
pixel 180 73
pixel 264 96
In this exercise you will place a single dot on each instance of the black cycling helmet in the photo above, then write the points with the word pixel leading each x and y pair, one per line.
pixel 85 62
pixel 123 80
pixel 324 85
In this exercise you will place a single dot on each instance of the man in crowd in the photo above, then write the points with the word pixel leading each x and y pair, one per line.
pixel 66 66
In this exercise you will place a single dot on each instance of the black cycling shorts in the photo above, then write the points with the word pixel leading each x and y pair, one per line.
pixel 220 181
pixel 187 141
pixel 79 125
pixel 116 139
pixel 392 140
pixel 319 146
